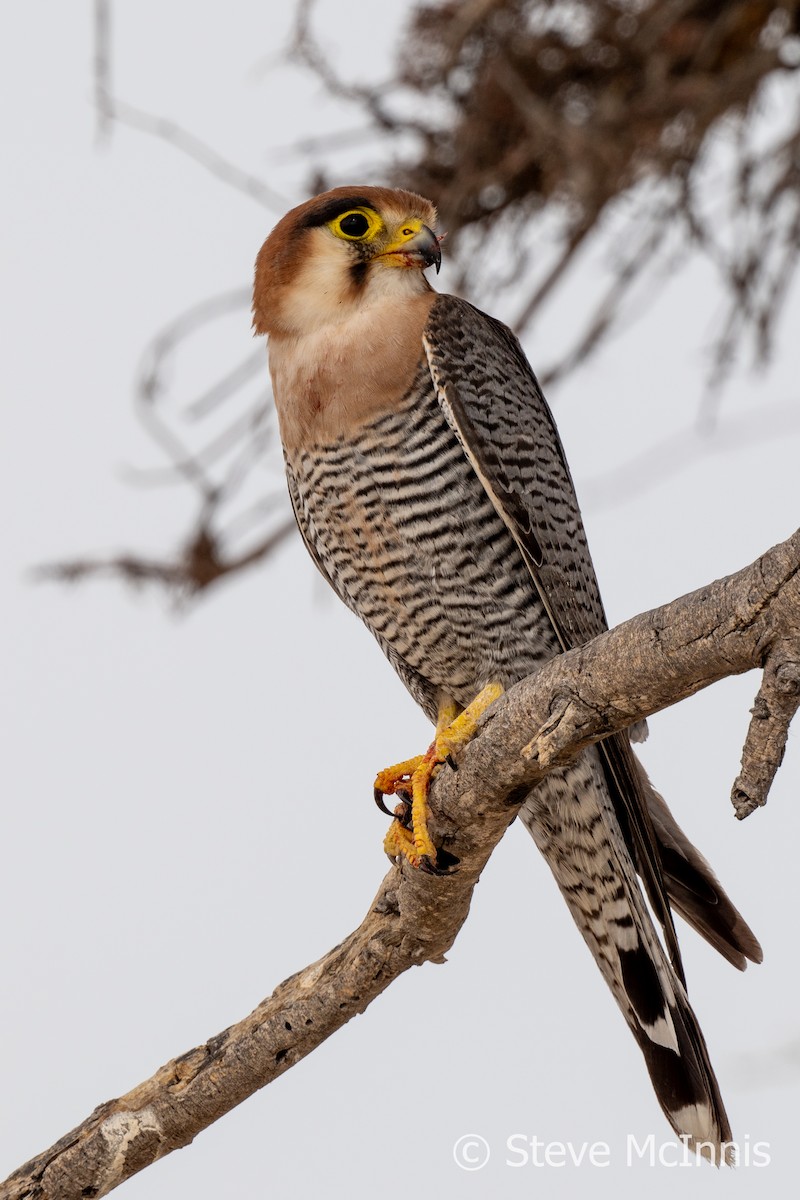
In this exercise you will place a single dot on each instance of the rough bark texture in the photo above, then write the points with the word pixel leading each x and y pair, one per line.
pixel 748 620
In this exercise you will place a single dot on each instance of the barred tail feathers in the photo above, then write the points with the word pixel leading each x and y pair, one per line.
pixel 572 821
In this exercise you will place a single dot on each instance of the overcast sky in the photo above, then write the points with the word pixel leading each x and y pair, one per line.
pixel 170 851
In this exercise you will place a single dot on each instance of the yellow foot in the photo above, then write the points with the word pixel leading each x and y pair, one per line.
pixel 408 835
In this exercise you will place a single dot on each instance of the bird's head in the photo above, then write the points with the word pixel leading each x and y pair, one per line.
pixel 341 251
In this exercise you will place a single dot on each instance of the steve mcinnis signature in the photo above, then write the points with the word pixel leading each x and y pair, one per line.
pixel 472 1152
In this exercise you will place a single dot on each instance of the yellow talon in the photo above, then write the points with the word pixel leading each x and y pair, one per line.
pixel 397 778
pixel 455 736
pixel 408 835
pixel 399 840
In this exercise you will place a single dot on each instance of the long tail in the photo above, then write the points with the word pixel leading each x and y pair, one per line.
pixel 694 890
pixel 571 818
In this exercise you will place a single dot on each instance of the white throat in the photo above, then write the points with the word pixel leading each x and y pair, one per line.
pixel 323 293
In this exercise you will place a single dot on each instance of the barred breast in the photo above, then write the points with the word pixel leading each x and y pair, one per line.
pixel 400 525
pixel 402 528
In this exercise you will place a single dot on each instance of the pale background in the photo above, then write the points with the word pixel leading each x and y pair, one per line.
pixel 172 848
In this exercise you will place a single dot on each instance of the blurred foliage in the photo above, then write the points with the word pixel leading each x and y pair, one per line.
pixel 577 102
pixel 564 117
pixel 539 127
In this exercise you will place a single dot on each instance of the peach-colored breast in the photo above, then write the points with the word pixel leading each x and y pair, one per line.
pixel 330 381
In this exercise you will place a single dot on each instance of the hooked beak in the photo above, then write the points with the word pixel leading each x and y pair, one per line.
pixel 420 251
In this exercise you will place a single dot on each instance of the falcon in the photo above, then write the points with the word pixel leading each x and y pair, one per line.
pixel 432 491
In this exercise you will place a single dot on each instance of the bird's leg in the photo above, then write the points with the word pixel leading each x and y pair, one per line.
pixel 411 779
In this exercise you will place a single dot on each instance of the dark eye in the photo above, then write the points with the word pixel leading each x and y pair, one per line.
pixel 354 225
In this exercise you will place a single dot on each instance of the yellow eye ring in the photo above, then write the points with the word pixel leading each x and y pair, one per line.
pixel 356 225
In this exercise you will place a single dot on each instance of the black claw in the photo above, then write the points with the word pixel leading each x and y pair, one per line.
pixel 378 795
pixel 445 864
pixel 451 762
pixel 429 867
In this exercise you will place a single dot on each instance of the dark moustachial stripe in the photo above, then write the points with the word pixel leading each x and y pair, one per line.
pixel 358 272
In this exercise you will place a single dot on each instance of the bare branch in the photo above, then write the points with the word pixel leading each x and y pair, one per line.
pixel 201 563
pixel 600 322
pixel 216 470
pixel 776 704
pixel 102 69
pixel 306 49
pixel 545 286
pixel 199 151
pixel 191 320
pixel 746 621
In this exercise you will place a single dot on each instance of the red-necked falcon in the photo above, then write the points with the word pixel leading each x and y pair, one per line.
pixel 432 491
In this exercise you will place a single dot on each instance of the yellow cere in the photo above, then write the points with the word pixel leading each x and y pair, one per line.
pixel 404 232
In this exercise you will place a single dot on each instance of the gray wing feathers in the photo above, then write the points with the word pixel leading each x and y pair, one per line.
pixel 491 397
pixel 492 400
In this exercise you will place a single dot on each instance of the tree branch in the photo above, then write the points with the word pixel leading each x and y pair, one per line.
pixel 746 621
pixel 201 563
